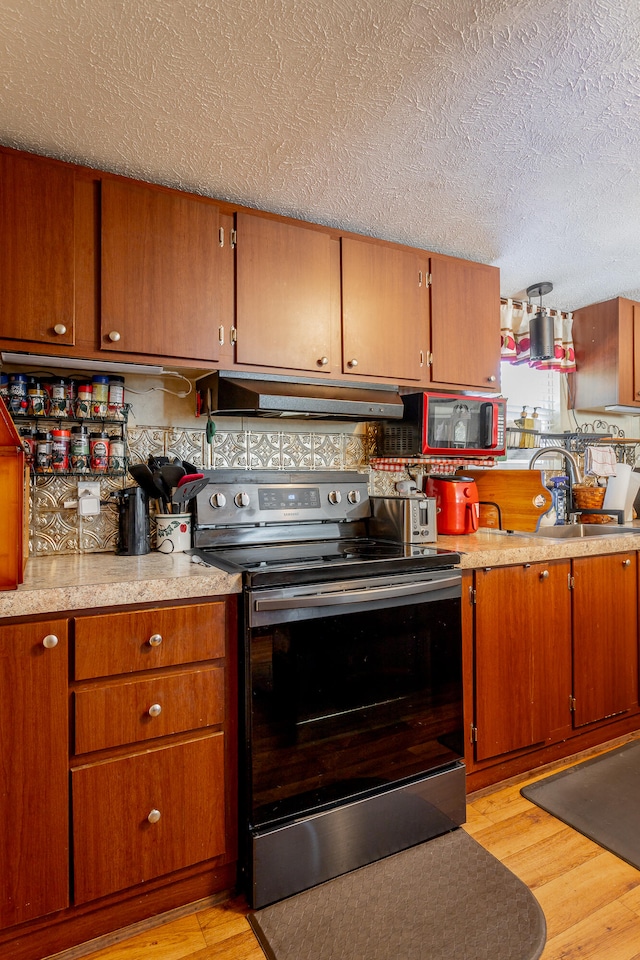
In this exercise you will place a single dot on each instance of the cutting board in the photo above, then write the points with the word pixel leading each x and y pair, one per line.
pixel 520 494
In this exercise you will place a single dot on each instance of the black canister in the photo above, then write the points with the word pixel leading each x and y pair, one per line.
pixel 133 522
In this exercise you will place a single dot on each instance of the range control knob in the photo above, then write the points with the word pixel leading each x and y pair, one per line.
pixel 217 500
pixel 241 500
pixel 335 496
pixel 354 496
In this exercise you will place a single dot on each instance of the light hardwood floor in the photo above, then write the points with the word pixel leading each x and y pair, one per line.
pixel 590 898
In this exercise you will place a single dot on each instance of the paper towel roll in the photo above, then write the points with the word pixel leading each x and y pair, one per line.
pixel 632 492
pixel 617 491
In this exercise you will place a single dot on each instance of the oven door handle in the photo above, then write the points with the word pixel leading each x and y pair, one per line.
pixel 333 599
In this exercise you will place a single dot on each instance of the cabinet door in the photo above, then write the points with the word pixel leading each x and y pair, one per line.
pixel 143 816
pixel 465 324
pixel 162 268
pixel 286 295
pixel 37 250
pixel 34 802
pixel 385 311
pixel 605 637
pixel 522 656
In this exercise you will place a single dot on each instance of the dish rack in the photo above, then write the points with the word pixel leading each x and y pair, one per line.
pixel 588 434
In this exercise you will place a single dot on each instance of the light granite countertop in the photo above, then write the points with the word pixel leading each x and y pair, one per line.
pixel 79 582
pixel 496 548
pixel 76 582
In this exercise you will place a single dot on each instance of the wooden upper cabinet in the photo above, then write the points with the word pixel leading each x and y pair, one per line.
pixel 385 311
pixel 36 250
pixel 465 324
pixel 34 796
pixel 162 267
pixel 287 295
pixel 606 337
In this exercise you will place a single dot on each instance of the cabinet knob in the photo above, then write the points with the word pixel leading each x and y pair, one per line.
pixel 114 336
pixel 323 361
pixel 155 640
pixel 155 710
pixel 60 329
pixel 544 575
pixel 352 363
pixel 492 378
pixel 50 641
pixel 153 816
pixel 626 563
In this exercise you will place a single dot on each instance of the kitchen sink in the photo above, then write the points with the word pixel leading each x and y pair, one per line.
pixel 574 531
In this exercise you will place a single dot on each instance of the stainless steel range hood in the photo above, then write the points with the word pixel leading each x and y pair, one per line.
pixel 229 393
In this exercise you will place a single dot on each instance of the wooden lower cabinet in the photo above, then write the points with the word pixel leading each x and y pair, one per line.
pixel 145 815
pixel 118 752
pixel 552 661
pixel 605 637
pixel 34 794
pixel 522 656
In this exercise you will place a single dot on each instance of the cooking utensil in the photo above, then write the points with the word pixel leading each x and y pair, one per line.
pixel 163 491
pixel 144 478
pixel 172 473
pixel 193 484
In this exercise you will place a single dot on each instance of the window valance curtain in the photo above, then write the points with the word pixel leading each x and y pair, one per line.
pixel 515 340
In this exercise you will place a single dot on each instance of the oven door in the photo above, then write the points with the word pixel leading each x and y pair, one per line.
pixel 352 689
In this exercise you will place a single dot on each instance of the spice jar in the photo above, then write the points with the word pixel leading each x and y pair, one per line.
pixel 36 399
pixel 18 392
pixel 44 448
pixel 116 397
pixel 28 438
pixel 116 454
pixel 100 406
pixel 4 388
pixel 83 401
pixel 58 403
pixel 99 451
pixel 79 449
pixel 60 448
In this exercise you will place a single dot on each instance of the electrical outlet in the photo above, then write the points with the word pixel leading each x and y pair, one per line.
pixel 88 498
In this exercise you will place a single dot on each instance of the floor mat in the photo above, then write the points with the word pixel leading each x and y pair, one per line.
pixel 444 899
pixel 599 798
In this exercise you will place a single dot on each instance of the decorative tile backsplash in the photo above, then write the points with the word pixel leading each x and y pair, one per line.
pixel 57 529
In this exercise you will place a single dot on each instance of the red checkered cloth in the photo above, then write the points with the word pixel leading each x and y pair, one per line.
pixel 431 464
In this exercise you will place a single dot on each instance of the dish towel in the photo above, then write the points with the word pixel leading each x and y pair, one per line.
pixel 600 461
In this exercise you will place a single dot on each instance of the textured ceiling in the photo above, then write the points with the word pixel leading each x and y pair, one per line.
pixel 505 131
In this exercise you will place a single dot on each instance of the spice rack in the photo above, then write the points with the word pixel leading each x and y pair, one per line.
pixel 91 458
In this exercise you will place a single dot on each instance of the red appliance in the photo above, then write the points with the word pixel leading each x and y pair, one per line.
pixel 457 506
pixel 442 424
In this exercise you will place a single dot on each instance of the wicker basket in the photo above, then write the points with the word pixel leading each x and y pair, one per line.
pixel 590 498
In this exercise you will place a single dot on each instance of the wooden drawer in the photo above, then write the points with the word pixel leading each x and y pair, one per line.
pixel 131 710
pixel 115 842
pixel 145 639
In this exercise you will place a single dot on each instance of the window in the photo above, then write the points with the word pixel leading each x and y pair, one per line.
pixel 524 386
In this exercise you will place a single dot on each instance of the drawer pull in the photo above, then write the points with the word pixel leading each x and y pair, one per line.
pixel 626 563
pixel 155 639
pixel 154 816
pixel 60 329
pixel 50 641
pixel 155 710
pixel 544 575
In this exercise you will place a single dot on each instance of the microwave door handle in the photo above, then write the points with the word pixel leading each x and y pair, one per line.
pixel 342 597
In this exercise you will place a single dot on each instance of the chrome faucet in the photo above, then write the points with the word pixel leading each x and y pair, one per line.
pixel 570 458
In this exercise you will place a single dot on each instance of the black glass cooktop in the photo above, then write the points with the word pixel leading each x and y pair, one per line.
pixel 322 560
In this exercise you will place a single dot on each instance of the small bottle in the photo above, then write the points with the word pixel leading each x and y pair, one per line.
pixel 100 406
pixel 99 447
pixel 83 400
pixel 116 454
pixel 18 402
pixel 79 449
pixel 559 496
pixel 116 398
pixel 43 452
pixel 58 403
pixel 60 449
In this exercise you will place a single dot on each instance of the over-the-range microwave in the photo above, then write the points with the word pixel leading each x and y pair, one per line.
pixel 440 424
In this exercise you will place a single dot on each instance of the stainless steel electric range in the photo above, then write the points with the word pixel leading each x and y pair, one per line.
pixel 351 745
